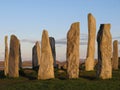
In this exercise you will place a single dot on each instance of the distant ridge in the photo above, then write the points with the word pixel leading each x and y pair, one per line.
pixel 28 63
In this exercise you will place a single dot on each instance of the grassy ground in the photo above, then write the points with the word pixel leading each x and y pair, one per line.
pixel 87 81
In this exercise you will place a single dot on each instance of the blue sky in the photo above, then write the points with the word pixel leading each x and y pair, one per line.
pixel 27 18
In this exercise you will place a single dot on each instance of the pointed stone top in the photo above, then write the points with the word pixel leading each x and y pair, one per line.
pixel 13 36
pixel 115 41
pixel 37 42
pixel 89 14
pixel 74 28
pixel 105 27
pixel 45 31
pixel 51 37
pixel 45 37
pixel 6 36
pixel 108 25
pixel 75 24
pixel 91 18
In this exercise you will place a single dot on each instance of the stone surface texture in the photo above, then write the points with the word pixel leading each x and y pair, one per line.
pixel 36 55
pixel 115 55
pixel 46 69
pixel 6 56
pixel 104 39
pixel 52 44
pixel 72 55
pixel 89 63
pixel 14 57
pixel 20 58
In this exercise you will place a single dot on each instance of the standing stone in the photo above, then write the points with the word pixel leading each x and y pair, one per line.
pixel 46 69
pixel 6 56
pixel 20 58
pixel 73 41
pixel 115 55
pixel 36 55
pixel 14 57
pixel 104 40
pixel 89 63
pixel 52 44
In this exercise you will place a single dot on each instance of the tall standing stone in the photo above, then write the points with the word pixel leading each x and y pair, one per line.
pixel 115 55
pixel 73 41
pixel 36 55
pixel 52 44
pixel 14 57
pixel 89 63
pixel 20 58
pixel 104 40
pixel 6 56
pixel 46 69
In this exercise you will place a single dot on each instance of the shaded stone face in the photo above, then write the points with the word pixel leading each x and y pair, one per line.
pixel 104 39
pixel 20 58
pixel 52 44
pixel 73 39
pixel 46 69
pixel 6 56
pixel 36 55
pixel 89 63
pixel 14 57
pixel 115 55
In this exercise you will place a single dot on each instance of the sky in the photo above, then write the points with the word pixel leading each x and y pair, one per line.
pixel 28 18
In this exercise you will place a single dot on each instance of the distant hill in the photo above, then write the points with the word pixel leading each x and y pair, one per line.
pixel 28 63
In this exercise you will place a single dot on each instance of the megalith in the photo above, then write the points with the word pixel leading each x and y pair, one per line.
pixel 46 69
pixel 6 56
pixel 72 55
pixel 115 55
pixel 14 57
pixel 36 55
pixel 52 44
pixel 89 62
pixel 20 57
pixel 104 39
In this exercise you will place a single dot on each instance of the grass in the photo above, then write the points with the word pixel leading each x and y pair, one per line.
pixel 87 81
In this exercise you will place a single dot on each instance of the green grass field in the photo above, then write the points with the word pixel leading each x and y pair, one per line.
pixel 87 81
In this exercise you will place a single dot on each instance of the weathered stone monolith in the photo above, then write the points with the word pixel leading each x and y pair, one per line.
pixel 36 55
pixel 20 58
pixel 6 56
pixel 115 55
pixel 52 44
pixel 73 41
pixel 46 69
pixel 89 63
pixel 14 57
pixel 104 39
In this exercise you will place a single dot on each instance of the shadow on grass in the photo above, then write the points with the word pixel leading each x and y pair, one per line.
pixel 62 78
pixel 28 73
pixel 61 74
pixel 2 76
pixel 89 75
